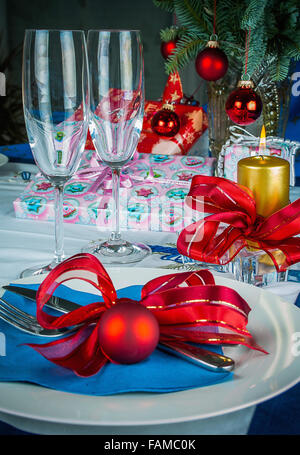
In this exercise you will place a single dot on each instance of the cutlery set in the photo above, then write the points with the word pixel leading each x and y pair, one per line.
pixel 23 321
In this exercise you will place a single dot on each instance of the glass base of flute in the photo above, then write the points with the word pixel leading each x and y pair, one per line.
pixel 39 269
pixel 116 250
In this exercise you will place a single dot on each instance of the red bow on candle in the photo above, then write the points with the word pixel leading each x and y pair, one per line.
pixel 188 306
pixel 234 225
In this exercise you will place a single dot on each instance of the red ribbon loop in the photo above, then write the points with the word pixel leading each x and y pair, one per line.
pixel 234 225
pixel 189 307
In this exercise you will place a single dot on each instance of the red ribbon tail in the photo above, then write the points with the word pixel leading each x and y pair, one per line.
pixel 79 352
pixel 214 338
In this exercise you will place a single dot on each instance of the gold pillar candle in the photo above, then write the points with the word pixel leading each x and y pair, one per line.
pixel 268 177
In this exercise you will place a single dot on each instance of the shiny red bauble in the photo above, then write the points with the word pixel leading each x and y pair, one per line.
pixel 165 123
pixel 211 63
pixel 167 48
pixel 128 332
pixel 243 106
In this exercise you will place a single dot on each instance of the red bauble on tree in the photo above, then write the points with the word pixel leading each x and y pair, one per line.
pixel 211 63
pixel 128 332
pixel 167 48
pixel 244 105
pixel 165 122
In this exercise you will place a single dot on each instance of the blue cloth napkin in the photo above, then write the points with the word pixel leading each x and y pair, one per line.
pixel 19 153
pixel 160 372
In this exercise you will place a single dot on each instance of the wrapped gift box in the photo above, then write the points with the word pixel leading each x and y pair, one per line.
pixel 243 144
pixel 152 194
pixel 193 123
pixel 236 152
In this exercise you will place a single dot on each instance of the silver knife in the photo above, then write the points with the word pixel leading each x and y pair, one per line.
pixel 197 355
pixel 56 303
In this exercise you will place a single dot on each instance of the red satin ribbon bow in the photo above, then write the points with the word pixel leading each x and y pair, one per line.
pixel 188 306
pixel 234 225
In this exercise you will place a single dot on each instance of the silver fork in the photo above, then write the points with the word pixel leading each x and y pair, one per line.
pixel 26 322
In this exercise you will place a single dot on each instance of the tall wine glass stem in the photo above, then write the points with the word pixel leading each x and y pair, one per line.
pixel 59 224
pixel 116 235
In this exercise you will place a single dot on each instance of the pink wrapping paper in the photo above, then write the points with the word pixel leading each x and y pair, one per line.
pixel 151 196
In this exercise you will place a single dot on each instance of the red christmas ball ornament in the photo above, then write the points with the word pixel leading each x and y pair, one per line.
pixel 167 48
pixel 244 105
pixel 165 122
pixel 211 63
pixel 128 332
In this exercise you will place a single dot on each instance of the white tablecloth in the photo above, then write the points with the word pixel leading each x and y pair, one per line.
pixel 24 243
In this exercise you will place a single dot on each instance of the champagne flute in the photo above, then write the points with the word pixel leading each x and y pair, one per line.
pixel 56 109
pixel 116 69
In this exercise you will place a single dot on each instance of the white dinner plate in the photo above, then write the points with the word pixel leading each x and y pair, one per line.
pixel 3 159
pixel 274 323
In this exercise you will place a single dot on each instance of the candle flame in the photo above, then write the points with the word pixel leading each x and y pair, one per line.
pixel 262 142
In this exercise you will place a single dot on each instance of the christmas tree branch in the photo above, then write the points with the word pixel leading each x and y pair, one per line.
pixel 274 24
pixel 186 49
